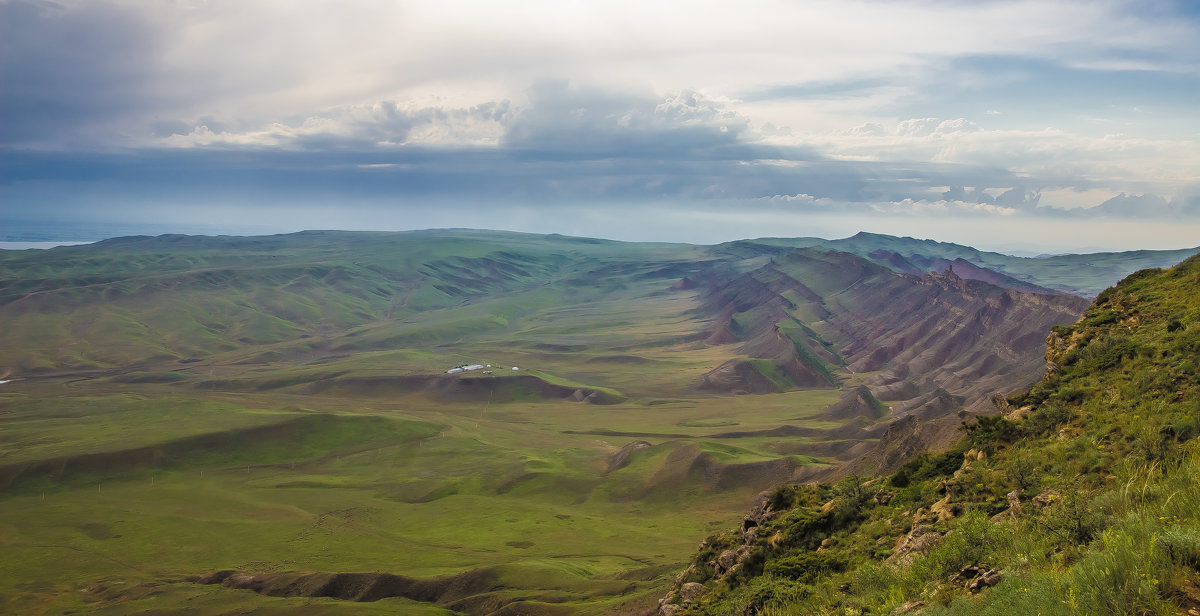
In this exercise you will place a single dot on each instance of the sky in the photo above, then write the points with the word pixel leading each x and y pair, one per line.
pixel 1021 126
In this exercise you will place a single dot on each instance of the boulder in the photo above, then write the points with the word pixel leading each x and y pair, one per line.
pixel 918 541
pixel 987 580
pixel 690 592
pixel 726 561
pixel 944 509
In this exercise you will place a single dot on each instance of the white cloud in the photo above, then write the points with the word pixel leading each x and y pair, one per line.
pixel 1075 198
pixel 622 100
pixel 1049 155
pixel 903 207
pixel 253 63
pixel 384 124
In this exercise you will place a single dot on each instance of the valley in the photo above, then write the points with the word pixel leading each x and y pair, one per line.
pixel 279 407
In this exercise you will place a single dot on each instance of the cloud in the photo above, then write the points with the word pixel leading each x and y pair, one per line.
pixel 904 207
pixel 70 72
pixel 930 127
pixel 1122 205
pixel 1147 206
pixel 382 125
pixel 117 68
pixel 826 107
pixel 559 118
pixel 1049 158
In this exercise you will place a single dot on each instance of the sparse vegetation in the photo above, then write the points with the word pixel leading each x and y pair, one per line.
pixel 1084 501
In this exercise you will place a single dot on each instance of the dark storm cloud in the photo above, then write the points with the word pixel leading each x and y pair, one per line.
pixel 568 145
pixel 415 177
pixel 65 73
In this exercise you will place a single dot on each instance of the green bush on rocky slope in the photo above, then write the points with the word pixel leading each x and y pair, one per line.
pixel 1082 497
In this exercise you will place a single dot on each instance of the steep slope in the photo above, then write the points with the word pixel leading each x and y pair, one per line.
pixel 935 343
pixel 1080 498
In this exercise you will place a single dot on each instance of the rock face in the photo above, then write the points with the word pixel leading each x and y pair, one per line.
pixel 725 563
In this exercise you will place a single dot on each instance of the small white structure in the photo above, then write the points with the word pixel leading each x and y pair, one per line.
pixel 465 368
pixel 515 368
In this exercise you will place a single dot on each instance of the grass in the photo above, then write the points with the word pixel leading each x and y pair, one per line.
pixel 1103 463
pixel 452 488
pixel 168 400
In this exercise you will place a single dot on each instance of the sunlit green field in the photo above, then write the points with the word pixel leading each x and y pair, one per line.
pixel 360 485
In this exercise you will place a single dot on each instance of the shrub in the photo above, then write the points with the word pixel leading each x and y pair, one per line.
pixel 1046 418
pixel 1071 519
pixel 1182 544
pixel 1185 427
pixel 987 433
pixel 929 465
pixel 760 596
pixel 805 566
pixel 1101 317
pixel 784 497
pixel 1024 471
pixel 850 493
pixel 805 527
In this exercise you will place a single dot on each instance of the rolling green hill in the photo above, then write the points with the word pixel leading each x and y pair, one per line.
pixel 1081 498
pixel 277 410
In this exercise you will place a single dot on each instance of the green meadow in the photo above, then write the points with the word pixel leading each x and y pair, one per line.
pixel 279 407
pixel 303 483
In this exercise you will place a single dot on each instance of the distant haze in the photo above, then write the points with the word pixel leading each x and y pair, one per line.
pixel 1019 126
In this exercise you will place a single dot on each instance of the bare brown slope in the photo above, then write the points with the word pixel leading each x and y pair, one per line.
pixel 754 310
pixel 938 343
